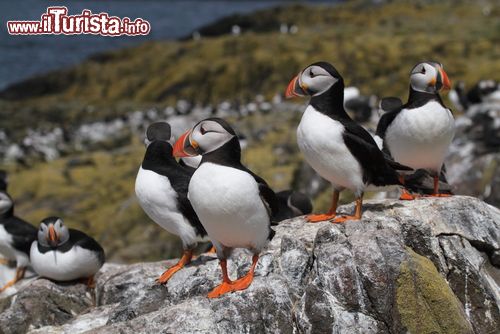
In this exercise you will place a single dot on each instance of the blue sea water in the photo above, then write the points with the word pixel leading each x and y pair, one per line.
pixel 25 56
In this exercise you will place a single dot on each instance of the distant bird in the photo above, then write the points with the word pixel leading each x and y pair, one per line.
pixel 484 91
pixel 16 237
pixel 161 187
pixel 358 105
pixel 419 133
pixel 335 146
pixel 292 204
pixel 63 254
pixel 234 204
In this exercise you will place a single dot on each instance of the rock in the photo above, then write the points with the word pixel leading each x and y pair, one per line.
pixel 426 266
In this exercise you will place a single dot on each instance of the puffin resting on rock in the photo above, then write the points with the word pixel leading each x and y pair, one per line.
pixel 335 146
pixel 234 205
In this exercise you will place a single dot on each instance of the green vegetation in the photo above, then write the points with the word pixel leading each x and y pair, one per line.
pixel 425 302
pixel 374 47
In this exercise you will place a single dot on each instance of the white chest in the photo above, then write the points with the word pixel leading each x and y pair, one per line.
pixel 320 139
pixel 157 197
pixel 73 264
pixel 228 204
pixel 6 249
pixel 420 137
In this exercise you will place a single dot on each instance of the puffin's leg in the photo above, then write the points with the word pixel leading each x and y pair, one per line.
pixel 91 282
pixel 436 189
pixel 226 285
pixel 244 282
pixel 331 213
pixel 405 195
pixel 185 259
pixel 357 212
pixel 19 276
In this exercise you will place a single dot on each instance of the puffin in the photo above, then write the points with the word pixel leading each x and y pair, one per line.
pixel 419 133
pixel 63 254
pixel 292 204
pixel 337 148
pixel 161 187
pixel 234 204
pixel 16 236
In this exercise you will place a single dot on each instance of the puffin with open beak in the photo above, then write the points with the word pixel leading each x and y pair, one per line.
pixel 64 254
pixel 335 146
pixel 234 205
pixel 419 133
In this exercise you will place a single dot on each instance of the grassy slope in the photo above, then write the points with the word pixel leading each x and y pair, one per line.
pixel 374 48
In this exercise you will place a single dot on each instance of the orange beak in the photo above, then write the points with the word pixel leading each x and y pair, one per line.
pixel 294 89
pixel 185 147
pixel 53 239
pixel 445 80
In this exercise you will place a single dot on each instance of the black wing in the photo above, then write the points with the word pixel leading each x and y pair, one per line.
pixel 78 238
pixel 23 233
pixel 385 121
pixel 267 195
pixel 361 144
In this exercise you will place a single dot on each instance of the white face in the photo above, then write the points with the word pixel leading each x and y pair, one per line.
pixel 5 203
pixel 423 78
pixel 316 80
pixel 208 136
pixel 53 234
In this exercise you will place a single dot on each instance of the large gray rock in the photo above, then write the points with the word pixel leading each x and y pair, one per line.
pixel 427 266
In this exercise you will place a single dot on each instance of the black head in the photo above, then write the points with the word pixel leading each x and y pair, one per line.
pixel 158 131
pixel 429 77
pixel 315 80
pixel 205 137
pixel 52 232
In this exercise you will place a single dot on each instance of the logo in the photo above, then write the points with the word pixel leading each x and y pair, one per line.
pixel 56 21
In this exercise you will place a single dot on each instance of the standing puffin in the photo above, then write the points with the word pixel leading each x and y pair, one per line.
pixel 335 146
pixel 234 205
pixel 63 254
pixel 161 187
pixel 16 237
pixel 419 133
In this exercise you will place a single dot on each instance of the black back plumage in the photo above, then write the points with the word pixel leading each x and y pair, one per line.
pixel 76 238
pixel 23 233
pixel 159 159
pixel 3 180
pixel 378 169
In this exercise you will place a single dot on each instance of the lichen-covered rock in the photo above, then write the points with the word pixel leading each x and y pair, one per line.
pixel 426 266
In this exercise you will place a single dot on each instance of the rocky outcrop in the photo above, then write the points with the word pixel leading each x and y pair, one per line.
pixel 427 266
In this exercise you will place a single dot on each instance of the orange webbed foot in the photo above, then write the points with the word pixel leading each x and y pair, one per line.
pixel 319 218
pixel 343 219
pixel 221 289
pixel 406 196
pixel 163 279
pixel 243 283
pixel 185 259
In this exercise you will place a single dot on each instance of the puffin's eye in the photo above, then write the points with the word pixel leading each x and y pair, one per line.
pixel 423 70
pixel 202 130
pixel 311 73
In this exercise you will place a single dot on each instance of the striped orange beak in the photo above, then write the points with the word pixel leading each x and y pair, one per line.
pixel 185 146
pixel 444 79
pixel 294 88
pixel 53 238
